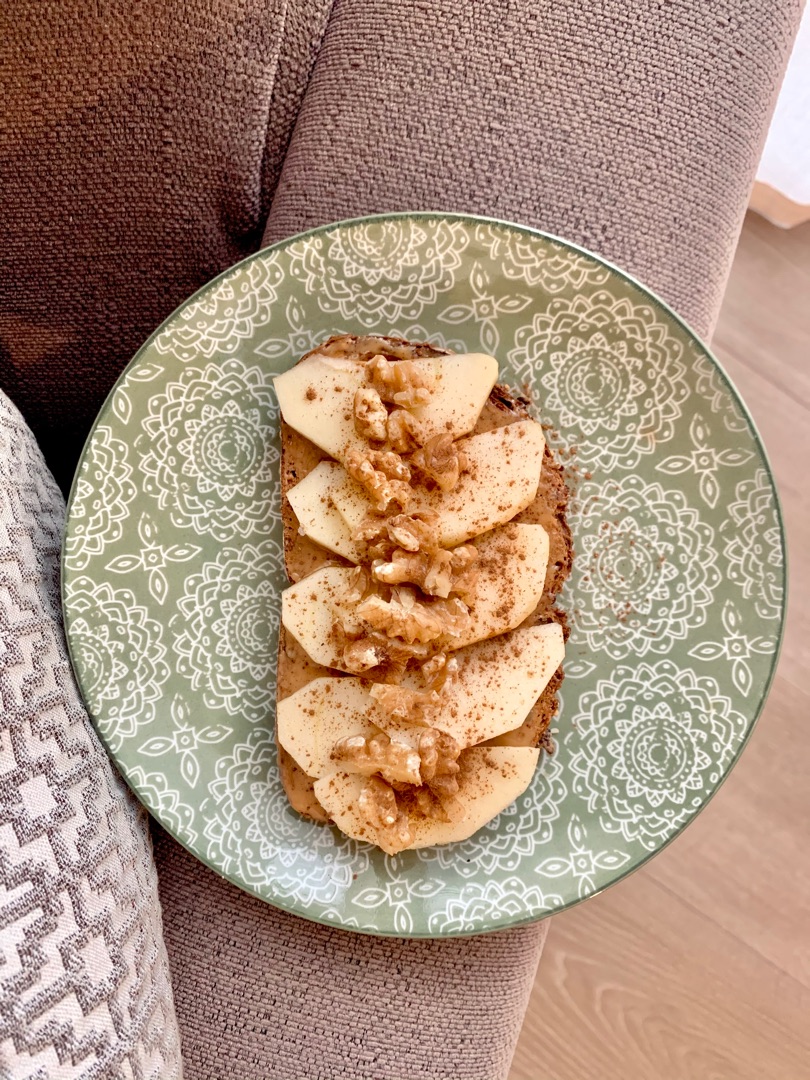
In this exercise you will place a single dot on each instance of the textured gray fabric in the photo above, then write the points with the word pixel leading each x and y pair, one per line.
pixel 134 166
pixel 84 979
pixel 262 994
pixel 631 127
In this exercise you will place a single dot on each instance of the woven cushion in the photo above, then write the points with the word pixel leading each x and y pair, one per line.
pixel 84 979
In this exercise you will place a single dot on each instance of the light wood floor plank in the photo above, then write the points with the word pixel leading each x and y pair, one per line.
pixel 637 984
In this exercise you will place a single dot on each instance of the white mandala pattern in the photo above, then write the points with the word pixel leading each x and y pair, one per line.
pixel 753 545
pixel 174 814
pixel 713 390
pixel 226 629
pixel 208 452
pixel 226 315
pixel 736 647
pixel 490 903
pixel 381 273
pixel 646 745
pixel 646 568
pixel 129 382
pixel 609 375
pixel 152 558
pixel 581 863
pixel 173 567
pixel 299 338
pixel 121 653
pixel 398 896
pixel 185 740
pixel 554 269
pixel 484 309
pixel 101 503
pixel 705 460
pixel 253 833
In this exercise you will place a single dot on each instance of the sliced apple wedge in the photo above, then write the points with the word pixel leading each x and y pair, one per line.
pixel 310 722
pixel 511 574
pixel 491 778
pixel 307 612
pixel 498 681
pixel 318 518
pixel 502 477
pixel 512 565
pixel 316 397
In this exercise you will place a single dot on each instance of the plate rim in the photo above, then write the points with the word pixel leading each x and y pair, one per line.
pixel 280 903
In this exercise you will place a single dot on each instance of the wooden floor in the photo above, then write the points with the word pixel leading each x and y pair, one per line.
pixel 698 966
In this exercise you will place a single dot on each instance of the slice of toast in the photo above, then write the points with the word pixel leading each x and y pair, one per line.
pixel 302 556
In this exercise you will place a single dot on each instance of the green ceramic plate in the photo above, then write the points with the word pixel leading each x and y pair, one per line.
pixel 173 567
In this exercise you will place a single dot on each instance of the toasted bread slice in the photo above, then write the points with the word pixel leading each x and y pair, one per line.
pixel 301 555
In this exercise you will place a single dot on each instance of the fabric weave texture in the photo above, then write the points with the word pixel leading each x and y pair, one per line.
pixel 84 978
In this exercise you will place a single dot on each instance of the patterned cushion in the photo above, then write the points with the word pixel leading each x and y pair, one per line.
pixel 84 978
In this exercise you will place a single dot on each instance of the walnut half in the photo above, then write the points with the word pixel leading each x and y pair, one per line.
pixel 370 415
pixel 378 805
pixel 394 761
pixel 401 382
pixel 437 573
pixel 401 703
pixel 441 461
pixel 439 768
pixel 383 475
pixel 405 616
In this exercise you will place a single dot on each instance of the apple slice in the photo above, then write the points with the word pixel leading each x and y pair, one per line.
pixel 491 778
pixel 318 518
pixel 307 612
pixel 310 722
pixel 502 477
pixel 316 397
pixel 498 682
pixel 511 574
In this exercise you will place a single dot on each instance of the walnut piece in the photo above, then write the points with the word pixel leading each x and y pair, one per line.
pixel 464 568
pixel 381 536
pixel 400 381
pixel 431 572
pixel 400 703
pixel 404 616
pixel 433 670
pixel 344 606
pixel 417 531
pixel 370 415
pixel 372 536
pixel 371 470
pixel 441 461
pixel 403 431
pixel 378 806
pixel 392 655
pixel 390 464
pixel 438 753
pixel 436 572
pixel 403 783
pixel 363 655
pixel 394 761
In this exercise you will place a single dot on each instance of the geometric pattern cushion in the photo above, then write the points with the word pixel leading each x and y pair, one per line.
pixel 84 976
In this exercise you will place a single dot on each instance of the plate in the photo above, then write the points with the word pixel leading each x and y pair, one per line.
pixel 172 567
